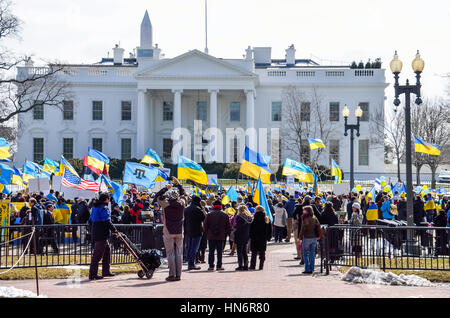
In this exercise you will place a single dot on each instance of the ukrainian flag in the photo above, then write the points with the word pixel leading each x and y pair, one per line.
pixel 316 143
pixel 429 205
pixel 255 165
pixel 336 172
pixel 4 189
pixel 152 158
pixel 64 164
pixel 372 212
pixel 192 171
pixel 4 149
pixel 30 170
pixel 97 162
pixel 231 195
pixel 115 189
pixel 425 147
pixel 298 170
pixel 199 191
pixel 162 176
pixel 261 199
pixel 51 166
pixel 6 174
pixel 17 177
pixel 65 212
pixel 249 188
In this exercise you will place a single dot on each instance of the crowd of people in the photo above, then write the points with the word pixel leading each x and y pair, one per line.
pixel 193 224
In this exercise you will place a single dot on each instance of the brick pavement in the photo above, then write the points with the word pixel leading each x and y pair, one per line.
pixel 281 278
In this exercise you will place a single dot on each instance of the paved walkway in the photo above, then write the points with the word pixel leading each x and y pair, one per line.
pixel 281 278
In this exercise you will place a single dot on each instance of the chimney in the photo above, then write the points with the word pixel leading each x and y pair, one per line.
pixel 249 53
pixel 118 55
pixel 29 62
pixel 290 56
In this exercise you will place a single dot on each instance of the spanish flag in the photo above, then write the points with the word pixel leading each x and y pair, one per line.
pixel 372 212
pixel 425 147
pixel 51 166
pixel 64 164
pixel 4 149
pixel 152 158
pixel 98 163
pixel 316 143
pixel 261 199
pixel 255 165
pixel 336 172
pixel 298 170
pixel 192 171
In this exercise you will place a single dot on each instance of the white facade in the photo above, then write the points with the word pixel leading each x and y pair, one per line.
pixel 148 82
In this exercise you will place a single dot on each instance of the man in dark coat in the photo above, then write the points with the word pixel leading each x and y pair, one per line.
pixel 260 234
pixel 49 233
pixel 193 231
pixel 217 227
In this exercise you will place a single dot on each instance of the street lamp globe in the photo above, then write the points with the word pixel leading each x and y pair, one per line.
pixel 346 112
pixel 418 64
pixel 396 64
pixel 358 112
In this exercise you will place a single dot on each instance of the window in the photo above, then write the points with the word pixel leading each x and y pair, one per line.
pixel 366 112
pixel 235 111
pixel 126 148
pixel 334 151
pixel 97 110
pixel 126 110
pixel 68 148
pixel 276 111
pixel 38 149
pixel 38 110
pixel 305 151
pixel 97 144
pixel 305 114
pixel 67 110
pixel 167 111
pixel 364 152
pixel 334 111
pixel 201 111
pixel 235 150
pixel 167 148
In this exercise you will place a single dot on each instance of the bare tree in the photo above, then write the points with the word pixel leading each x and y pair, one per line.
pixel 393 131
pixel 19 94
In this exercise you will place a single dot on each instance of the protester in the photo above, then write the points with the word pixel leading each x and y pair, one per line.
pixel 308 236
pixel 193 230
pixel 244 220
pixel 260 234
pixel 280 222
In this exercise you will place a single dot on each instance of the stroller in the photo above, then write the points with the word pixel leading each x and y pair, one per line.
pixel 149 260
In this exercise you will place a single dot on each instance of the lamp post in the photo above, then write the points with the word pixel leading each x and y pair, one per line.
pixel 396 67
pixel 352 128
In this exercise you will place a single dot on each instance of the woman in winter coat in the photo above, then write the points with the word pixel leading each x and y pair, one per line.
pixel 260 234
pixel 244 220
pixel 280 222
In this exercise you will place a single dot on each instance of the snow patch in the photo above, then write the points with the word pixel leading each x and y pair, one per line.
pixel 357 275
pixel 12 292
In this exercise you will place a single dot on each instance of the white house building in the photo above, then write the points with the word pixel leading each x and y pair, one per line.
pixel 123 106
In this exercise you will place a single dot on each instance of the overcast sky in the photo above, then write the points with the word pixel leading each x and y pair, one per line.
pixel 83 31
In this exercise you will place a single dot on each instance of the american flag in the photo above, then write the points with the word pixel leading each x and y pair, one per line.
pixel 72 181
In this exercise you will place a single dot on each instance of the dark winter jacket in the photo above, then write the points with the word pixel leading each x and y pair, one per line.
pixel 193 218
pixel 260 233
pixel 402 212
pixel 242 229
pixel 329 218
pixel 419 212
pixel 217 225
pixel 173 210
pixel 290 207
pixel 83 213
pixel 101 223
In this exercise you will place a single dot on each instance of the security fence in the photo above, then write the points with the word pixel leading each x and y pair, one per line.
pixel 64 245
pixel 386 248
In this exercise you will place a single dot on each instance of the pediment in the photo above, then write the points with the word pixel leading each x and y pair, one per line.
pixel 194 64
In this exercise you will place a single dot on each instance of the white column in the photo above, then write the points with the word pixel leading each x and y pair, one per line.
pixel 213 149
pixel 177 108
pixel 213 108
pixel 140 126
pixel 251 132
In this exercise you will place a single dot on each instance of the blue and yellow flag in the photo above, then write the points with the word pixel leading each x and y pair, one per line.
pixel 64 210
pixel 32 170
pixel 261 199
pixel 220 188
pixel 4 189
pixel 192 171
pixel 6 174
pixel 316 143
pixel 298 170
pixel 430 204
pixel 4 149
pixel 142 175
pixel 51 166
pixel 336 172
pixel 152 158
pixel 64 164
pixel 115 189
pixel 249 188
pixel 231 195
pixel 372 212
pixel 17 178
pixel 425 147
pixel 255 165
pixel 162 176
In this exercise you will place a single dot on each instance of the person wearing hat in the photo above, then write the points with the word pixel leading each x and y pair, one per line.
pixel 401 207
pixel 193 230
pixel 357 217
pixel 101 229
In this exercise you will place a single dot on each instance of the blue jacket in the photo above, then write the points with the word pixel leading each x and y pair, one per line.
pixel 290 207
pixel 100 214
pixel 386 208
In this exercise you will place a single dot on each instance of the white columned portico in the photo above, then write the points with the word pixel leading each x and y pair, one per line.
pixel 140 126
pixel 177 108
pixel 251 119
